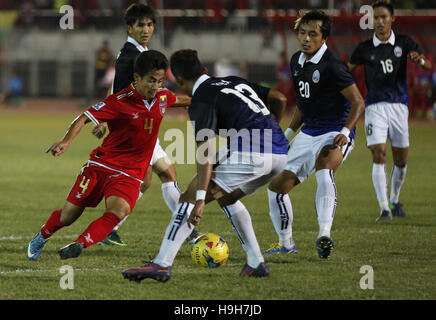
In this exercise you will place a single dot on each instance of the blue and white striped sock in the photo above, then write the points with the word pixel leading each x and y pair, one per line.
pixel 175 234
pixel 325 200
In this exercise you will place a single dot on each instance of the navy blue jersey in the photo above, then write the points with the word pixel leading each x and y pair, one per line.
pixel 385 68
pixel 124 66
pixel 319 82
pixel 236 109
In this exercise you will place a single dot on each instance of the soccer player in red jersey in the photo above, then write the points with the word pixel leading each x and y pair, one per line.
pixel 116 168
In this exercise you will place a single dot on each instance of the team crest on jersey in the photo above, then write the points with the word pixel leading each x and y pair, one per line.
pixel 98 106
pixel 316 76
pixel 163 103
pixel 398 51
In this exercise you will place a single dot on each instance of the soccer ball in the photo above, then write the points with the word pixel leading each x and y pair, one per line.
pixel 210 251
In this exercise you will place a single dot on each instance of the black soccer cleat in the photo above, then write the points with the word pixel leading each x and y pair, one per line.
pixel 73 250
pixel 397 210
pixel 324 246
pixel 150 270
pixel 261 271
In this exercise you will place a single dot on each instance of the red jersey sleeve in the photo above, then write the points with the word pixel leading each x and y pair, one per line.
pixel 171 99
pixel 103 111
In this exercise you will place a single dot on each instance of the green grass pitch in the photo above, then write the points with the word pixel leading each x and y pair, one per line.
pixel 402 254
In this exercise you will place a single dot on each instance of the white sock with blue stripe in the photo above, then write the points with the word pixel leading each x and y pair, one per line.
pixel 241 222
pixel 380 182
pixel 175 234
pixel 281 214
pixel 171 194
pixel 325 200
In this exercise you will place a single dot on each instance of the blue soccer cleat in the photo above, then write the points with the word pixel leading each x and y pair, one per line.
pixel 150 270
pixel 261 271
pixel 397 210
pixel 278 248
pixel 35 246
pixel 324 245
pixel 385 215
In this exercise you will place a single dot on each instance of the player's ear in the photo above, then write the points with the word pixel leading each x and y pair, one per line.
pixel 129 30
pixel 136 77
pixel 180 81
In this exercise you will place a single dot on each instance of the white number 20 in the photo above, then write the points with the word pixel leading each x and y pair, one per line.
pixel 304 89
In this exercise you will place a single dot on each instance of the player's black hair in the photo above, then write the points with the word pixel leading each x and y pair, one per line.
pixel 185 63
pixel 311 15
pixel 384 4
pixel 150 60
pixel 138 11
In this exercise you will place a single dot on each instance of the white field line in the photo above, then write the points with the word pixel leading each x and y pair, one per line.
pixel 181 268
pixel 30 237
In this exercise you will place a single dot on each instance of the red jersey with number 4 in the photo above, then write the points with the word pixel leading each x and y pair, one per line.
pixel 133 124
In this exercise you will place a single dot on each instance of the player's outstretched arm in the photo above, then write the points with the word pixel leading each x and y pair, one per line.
pixel 182 101
pixel 204 173
pixel 276 102
pixel 420 59
pixel 60 147
pixel 352 94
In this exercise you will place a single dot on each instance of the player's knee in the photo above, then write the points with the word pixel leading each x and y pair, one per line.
pixel 284 183
pixel 168 175
pixel 330 157
pixel 378 154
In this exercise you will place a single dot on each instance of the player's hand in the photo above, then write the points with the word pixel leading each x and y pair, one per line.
pixel 197 213
pixel 340 140
pixel 99 130
pixel 416 57
pixel 58 148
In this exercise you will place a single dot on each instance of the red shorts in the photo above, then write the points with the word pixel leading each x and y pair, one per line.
pixel 94 182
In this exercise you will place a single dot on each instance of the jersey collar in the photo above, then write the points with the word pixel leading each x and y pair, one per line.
pixel 199 81
pixel 315 59
pixel 146 103
pixel 377 42
pixel 136 44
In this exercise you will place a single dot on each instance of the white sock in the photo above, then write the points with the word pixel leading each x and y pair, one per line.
pixel 171 194
pixel 176 232
pixel 380 182
pixel 397 179
pixel 280 211
pixel 325 200
pixel 241 222
pixel 120 223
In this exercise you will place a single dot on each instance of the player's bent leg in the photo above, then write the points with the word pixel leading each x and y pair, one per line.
pixel 116 209
pixel 281 213
pixel 398 177
pixel 70 213
pixel 57 220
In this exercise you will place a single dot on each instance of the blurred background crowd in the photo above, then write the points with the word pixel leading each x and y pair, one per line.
pixel 251 38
